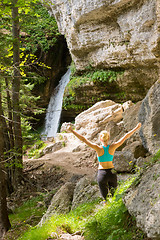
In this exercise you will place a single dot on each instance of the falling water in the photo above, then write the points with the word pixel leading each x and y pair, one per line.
pixel 55 107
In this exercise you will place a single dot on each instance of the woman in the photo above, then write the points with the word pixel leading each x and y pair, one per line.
pixel 107 180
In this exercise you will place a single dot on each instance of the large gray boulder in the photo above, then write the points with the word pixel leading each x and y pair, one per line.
pixel 136 148
pixel 86 190
pixel 61 201
pixel 130 116
pixel 149 116
pixel 123 161
pixel 143 202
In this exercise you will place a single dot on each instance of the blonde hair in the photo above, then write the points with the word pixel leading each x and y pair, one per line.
pixel 104 135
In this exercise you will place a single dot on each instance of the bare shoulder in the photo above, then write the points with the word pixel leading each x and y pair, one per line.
pixel 100 150
pixel 112 148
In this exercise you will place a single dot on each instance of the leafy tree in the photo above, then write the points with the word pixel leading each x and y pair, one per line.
pixel 15 94
pixel 17 62
pixel 25 27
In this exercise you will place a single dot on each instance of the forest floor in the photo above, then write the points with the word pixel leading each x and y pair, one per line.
pixel 46 175
pixel 53 170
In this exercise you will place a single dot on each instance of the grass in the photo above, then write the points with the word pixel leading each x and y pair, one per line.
pixel 113 222
pixel 36 151
pixel 154 159
pixel 25 216
pixel 95 221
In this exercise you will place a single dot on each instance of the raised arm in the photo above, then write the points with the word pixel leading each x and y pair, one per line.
pixel 83 139
pixel 117 144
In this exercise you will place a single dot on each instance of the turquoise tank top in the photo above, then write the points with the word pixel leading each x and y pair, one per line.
pixel 106 157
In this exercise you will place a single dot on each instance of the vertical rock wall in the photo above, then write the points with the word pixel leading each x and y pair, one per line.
pixel 118 34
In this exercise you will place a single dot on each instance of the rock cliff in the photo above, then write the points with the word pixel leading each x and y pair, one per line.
pixel 143 199
pixel 143 202
pixel 115 34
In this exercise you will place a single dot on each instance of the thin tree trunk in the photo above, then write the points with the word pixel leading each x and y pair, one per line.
pixel 11 159
pixel 10 119
pixel 4 220
pixel 15 96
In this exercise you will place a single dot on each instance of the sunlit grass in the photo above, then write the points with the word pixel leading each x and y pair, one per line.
pixel 93 220
pixel 25 217
pixel 28 210
pixel 113 221
pixel 70 222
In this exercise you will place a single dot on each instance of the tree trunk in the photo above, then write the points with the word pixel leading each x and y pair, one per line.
pixel 10 119
pixel 15 96
pixel 4 221
pixel 11 159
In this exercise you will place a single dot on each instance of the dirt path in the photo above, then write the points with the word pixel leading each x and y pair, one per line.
pixel 81 162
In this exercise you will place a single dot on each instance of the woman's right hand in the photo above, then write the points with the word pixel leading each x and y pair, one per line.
pixel 69 129
pixel 138 125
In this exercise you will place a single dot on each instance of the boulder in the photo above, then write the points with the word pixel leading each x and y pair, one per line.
pixel 65 125
pixel 123 161
pixel 136 148
pixel 61 202
pixel 130 116
pixel 149 116
pixel 142 162
pixel 95 119
pixel 143 202
pixel 113 42
pixel 86 190
pixel 52 148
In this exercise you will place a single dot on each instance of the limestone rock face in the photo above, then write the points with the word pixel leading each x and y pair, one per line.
pixel 149 116
pixel 144 203
pixel 109 32
pixel 113 34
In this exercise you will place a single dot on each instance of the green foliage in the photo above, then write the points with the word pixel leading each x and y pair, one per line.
pixel 28 214
pixel 65 222
pixel 38 30
pixel 104 76
pixel 29 135
pixel 36 150
pixel 41 28
pixel 28 100
pixel 21 214
pixel 97 222
pixel 73 69
pixel 115 222
pixel 154 159
pixel 90 77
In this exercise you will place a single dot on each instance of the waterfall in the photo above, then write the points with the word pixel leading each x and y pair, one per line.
pixel 55 107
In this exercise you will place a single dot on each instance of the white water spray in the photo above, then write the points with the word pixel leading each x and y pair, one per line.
pixel 55 107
